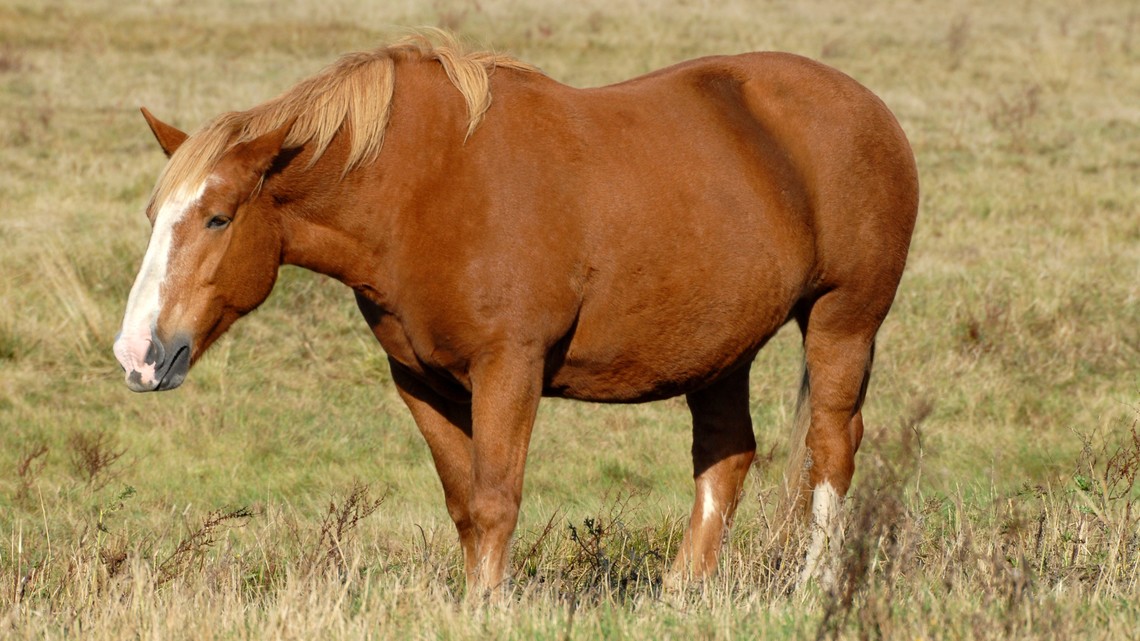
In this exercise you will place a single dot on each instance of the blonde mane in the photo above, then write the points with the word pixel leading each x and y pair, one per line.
pixel 354 94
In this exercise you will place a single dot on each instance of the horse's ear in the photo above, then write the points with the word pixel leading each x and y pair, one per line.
pixel 169 138
pixel 256 156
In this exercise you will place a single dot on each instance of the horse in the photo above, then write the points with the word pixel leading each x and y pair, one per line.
pixel 509 238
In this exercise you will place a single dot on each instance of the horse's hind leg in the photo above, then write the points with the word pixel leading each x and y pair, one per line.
pixel 446 426
pixel 839 346
pixel 723 448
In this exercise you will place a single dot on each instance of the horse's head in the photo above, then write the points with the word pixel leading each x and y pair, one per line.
pixel 214 251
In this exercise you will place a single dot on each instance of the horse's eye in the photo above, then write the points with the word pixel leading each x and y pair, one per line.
pixel 217 222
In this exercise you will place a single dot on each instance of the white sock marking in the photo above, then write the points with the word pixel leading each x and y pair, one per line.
pixel 826 535
pixel 708 502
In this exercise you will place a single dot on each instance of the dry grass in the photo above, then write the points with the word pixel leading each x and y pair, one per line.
pixel 995 496
pixel 1041 562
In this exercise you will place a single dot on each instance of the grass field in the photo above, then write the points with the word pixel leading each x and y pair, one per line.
pixel 280 494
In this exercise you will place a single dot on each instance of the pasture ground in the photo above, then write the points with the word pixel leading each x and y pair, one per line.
pixel 284 492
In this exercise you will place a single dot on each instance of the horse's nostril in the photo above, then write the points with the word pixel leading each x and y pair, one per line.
pixel 156 353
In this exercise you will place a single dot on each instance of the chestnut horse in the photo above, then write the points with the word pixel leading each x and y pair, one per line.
pixel 508 237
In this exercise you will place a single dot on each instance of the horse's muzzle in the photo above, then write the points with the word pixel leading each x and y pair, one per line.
pixel 152 366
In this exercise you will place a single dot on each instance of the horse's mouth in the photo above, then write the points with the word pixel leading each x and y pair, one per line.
pixel 176 372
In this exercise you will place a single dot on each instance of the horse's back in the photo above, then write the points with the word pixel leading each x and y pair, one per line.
pixel 812 129
pixel 725 137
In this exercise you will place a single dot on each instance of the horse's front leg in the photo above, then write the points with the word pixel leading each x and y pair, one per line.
pixel 446 426
pixel 505 391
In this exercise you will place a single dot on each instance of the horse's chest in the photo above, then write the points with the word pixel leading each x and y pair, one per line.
pixel 436 366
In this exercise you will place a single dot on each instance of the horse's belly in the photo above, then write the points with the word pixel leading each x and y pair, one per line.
pixel 635 358
pixel 611 374
pixel 668 312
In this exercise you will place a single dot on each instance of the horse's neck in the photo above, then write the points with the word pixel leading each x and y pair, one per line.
pixel 321 224
pixel 340 224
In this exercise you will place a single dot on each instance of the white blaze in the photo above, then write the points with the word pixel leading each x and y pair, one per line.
pixel 145 300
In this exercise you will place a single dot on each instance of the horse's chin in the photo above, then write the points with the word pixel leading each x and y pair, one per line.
pixel 136 384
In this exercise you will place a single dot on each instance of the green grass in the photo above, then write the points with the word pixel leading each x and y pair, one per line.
pixel 1017 324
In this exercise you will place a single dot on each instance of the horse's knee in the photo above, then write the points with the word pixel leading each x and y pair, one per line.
pixel 494 510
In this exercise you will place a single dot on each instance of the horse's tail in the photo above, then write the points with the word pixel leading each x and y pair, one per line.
pixel 794 492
